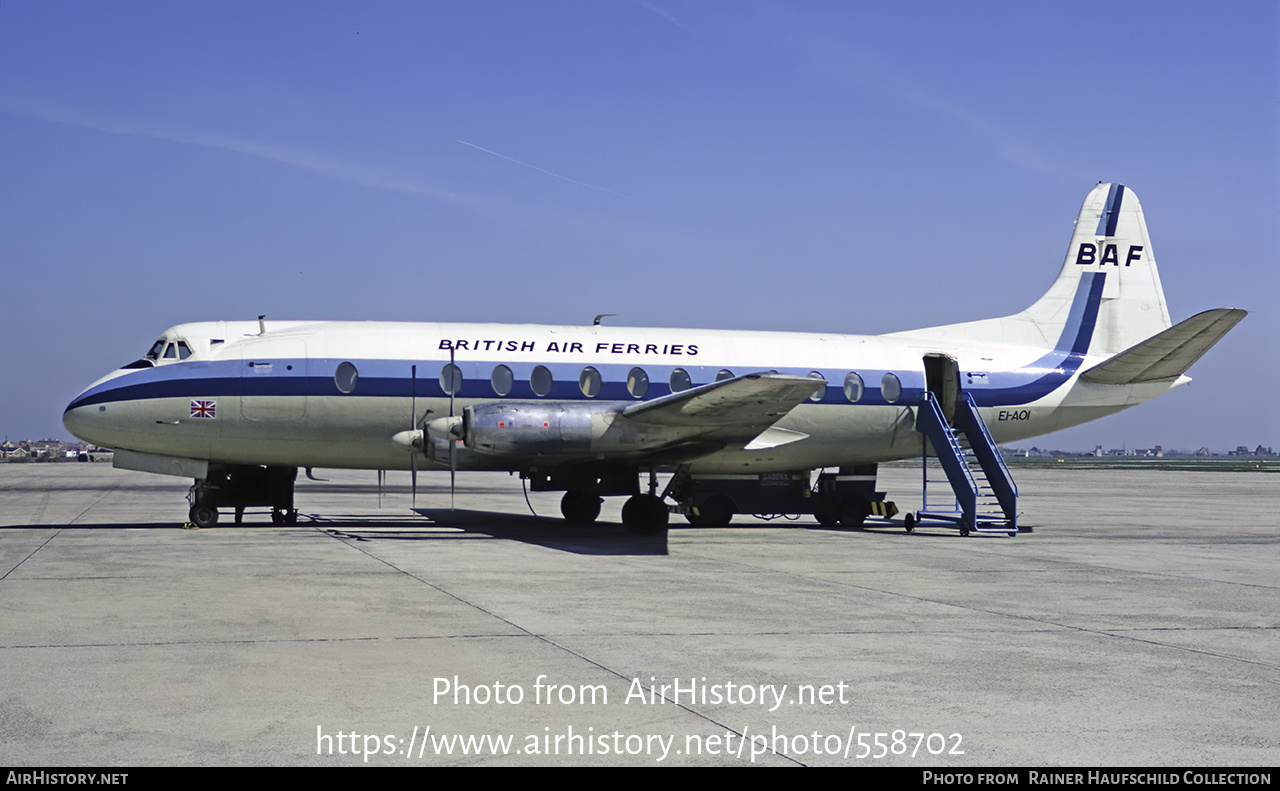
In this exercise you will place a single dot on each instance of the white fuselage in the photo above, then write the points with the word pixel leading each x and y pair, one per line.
pixel 277 397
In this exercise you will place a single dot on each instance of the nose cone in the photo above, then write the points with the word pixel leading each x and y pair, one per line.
pixel 82 419
pixel 87 416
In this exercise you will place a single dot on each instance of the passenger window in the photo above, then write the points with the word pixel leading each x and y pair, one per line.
pixel 821 391
pixel 345 377
pixel 853 388
pixel 724 374
pixel 637 383
pixel 891 388
pixel 450 379
pixel 589 382
pixel 540 380
pixel 502 380
pixel 680 380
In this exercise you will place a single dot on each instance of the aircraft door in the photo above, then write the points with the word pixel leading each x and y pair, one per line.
pixel 273 380
pixel 942 378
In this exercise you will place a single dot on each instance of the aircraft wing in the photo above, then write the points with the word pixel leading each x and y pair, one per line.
pixel 1167 354
pixel 741 407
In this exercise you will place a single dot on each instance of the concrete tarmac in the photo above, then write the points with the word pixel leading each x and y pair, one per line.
pixel 1137 625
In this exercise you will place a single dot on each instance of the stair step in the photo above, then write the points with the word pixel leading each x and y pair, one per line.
pixel 984 494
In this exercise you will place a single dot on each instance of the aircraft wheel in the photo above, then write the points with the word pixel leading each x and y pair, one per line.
pixel 203 516
pixel 964 527
pixel 909 522
pixel 291 516
pixel 853 514
pixel 277 516
pixel 580 507
pixel 644 514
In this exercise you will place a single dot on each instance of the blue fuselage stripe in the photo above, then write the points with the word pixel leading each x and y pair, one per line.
pixel 1060 364
pixel 384 378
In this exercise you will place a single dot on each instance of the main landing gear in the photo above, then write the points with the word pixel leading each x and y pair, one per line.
pixel 584 489
pixel 645 514
pixel 642 514
pixel 580 507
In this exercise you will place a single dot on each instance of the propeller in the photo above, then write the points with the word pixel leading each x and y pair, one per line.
pixel 413 419
pixel 448 429
pixel 415 439
pixel 453 388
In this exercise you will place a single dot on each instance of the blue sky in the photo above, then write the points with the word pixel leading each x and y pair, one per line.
pixel 838 166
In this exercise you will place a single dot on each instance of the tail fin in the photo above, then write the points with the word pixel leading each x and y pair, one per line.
pixel 1106 299
pixel 1110 240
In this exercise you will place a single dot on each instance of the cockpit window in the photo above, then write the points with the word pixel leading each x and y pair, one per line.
pixel 154 353
pixel 170 353
pixel 184 351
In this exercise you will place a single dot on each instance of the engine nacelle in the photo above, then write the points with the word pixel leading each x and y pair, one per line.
pixel 557 428
pixel 531 427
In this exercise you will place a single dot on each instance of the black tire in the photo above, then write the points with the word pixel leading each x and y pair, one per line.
pixel 580 508
pixel 827 516
pixel 202 515
pixel 277 516
pixel 909 522
pixel 853 514
pixel 717 511
pixel 645 514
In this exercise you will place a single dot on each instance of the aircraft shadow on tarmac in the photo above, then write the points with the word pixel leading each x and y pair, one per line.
pixel 443 524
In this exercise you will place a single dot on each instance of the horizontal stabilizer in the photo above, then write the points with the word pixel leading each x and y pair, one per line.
pixel 1167 354
pixel 753 400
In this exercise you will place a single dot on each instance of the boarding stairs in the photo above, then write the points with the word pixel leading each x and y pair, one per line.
pixel 985 496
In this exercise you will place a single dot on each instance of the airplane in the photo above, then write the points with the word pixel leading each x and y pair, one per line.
pixel 741 418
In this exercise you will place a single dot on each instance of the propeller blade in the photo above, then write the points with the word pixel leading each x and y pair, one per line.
pixel 413 418
pixel 453 388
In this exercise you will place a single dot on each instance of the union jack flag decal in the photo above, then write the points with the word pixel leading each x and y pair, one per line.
pixel 207 409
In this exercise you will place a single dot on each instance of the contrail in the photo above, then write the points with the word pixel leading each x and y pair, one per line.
pixel 663 13
pixel 315 161
pixel 542 170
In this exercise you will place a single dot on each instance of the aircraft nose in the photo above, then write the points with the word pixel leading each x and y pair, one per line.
pixel 82 420
pixel 88 416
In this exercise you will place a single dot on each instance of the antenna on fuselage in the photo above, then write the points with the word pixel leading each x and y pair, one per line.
pixel 596 323
pixel 262 325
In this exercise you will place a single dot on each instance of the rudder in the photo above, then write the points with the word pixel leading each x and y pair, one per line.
pixel 1110 239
